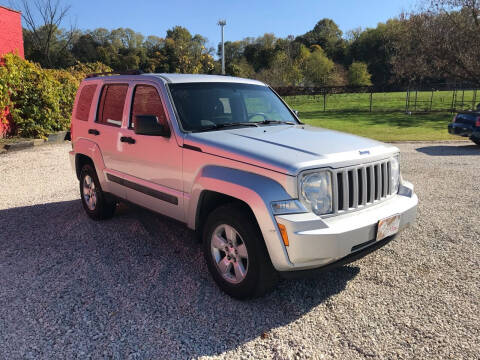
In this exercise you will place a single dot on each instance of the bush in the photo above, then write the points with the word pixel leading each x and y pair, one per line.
pixel 40 100
pixel 358 75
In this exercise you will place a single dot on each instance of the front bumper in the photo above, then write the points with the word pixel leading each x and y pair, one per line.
pixel 460 129
pixel 315 242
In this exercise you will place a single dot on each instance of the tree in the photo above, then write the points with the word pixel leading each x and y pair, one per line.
pixel 260 52
pixel 282 72
pixel 85 49
pixel 440 42
pixel 185 53
pixel 375 47
pixel 318 68
pixel 328 36
pixel 358 75
pixel 44 39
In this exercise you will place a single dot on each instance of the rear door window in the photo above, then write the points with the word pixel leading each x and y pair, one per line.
pixel 112 101
pixel 85 102
pixel 147 101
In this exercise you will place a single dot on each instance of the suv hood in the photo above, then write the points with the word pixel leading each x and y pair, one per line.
pixel 290 148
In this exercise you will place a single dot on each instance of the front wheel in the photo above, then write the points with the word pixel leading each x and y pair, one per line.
pixel 235 253
pixel 475 140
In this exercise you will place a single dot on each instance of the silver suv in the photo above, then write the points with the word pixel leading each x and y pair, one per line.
pixel 269 196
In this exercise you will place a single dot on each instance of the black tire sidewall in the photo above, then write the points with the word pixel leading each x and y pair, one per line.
pixel 248 230
pixel 99 212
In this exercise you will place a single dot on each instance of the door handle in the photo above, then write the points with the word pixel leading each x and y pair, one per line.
pixel 93 132
pixel 127 139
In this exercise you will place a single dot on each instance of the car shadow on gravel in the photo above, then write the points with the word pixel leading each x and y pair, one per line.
pixel 450 150
pixel 135 284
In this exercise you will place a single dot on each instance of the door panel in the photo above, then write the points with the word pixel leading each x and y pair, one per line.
pixel 108 123
pixel 152 162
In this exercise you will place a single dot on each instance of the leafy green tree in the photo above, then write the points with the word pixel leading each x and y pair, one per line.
pixel 328 36
pixel 85 49
pixel 318 68
pixel 282 72
pixel 375 47
pixel 358 75
pixel 261 52
pixel 241 68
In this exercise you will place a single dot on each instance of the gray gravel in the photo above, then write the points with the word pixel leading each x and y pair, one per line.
pixel 136 286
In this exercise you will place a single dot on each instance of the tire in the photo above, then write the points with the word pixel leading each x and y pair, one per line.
pixel 243 248
pixel 94 201
pixel 475 140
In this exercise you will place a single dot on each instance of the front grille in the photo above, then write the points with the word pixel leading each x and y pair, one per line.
pixel 360 186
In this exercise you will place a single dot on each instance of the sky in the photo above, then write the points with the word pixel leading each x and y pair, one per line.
pixel 245 18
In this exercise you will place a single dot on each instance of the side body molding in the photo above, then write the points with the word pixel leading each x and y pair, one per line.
pixel 255 190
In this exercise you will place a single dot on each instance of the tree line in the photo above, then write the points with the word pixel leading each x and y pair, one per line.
pixel 439 42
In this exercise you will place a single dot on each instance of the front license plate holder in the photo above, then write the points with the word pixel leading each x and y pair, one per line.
pixel 388 227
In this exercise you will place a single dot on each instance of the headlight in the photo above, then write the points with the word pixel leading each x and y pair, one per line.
pixel 395 173
pixel 316 192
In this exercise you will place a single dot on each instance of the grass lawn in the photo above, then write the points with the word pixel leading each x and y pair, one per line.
pixel 349 113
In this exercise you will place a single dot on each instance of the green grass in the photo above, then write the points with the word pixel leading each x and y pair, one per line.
pixel 350 113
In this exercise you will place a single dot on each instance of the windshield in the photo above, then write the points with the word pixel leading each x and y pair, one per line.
pixel 207 106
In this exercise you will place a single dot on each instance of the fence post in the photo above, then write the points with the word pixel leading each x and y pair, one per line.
pixel 474 99
pixel 454 95
pixel 324 101
pixel 371 96
pixel 415 106
pixel 463 95
pixel 407 95
pixel 431 101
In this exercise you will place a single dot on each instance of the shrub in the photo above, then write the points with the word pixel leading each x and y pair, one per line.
pixel 358 75
pixel 40 100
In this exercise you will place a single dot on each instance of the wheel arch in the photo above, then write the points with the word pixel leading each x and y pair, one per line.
pixel 217 185
pixel 88 152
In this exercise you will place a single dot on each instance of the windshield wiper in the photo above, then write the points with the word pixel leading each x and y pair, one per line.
pixel 268 121
pixel 227 125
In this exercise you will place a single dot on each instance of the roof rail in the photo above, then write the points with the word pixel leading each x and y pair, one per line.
pixel 107 73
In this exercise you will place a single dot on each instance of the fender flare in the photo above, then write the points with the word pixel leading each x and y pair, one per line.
pixel 255 190
pixel 89 148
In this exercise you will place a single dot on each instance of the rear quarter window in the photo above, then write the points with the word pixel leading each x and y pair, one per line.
pixel 85 102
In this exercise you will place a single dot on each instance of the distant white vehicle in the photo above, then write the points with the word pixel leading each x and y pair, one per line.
pixel 270 196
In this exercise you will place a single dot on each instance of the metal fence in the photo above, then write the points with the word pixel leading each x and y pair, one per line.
pixel 412 99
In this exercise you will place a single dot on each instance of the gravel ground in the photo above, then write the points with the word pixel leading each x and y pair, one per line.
pixel 136 286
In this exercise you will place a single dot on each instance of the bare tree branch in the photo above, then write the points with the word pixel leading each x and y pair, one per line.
pixel 43 19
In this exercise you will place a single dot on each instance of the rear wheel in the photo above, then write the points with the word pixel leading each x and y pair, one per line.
pixel 94 201
pixel 235 253
pixel 476 140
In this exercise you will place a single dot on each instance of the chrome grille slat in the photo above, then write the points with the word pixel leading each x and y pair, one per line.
pixel 378 182
pixel 364 184
pixel 385 179
pixel 372 184
pixel 345 190
pixel 335 193
pixel 360 186
pixel 355 188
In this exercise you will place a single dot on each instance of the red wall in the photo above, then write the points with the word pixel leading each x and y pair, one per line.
pixel 11 37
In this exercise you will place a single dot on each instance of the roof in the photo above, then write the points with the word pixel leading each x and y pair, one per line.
pixel 181 78
pixel 196 78
pixel 7 8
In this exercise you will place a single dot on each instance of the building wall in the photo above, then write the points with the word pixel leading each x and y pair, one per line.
pixel 11 36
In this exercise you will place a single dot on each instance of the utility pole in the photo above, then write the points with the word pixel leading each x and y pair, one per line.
pixel 222 23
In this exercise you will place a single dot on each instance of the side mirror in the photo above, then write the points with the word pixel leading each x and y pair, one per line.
pixel 149 125
pixel 296 113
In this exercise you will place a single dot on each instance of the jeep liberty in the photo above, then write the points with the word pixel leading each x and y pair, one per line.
pixel 270 196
